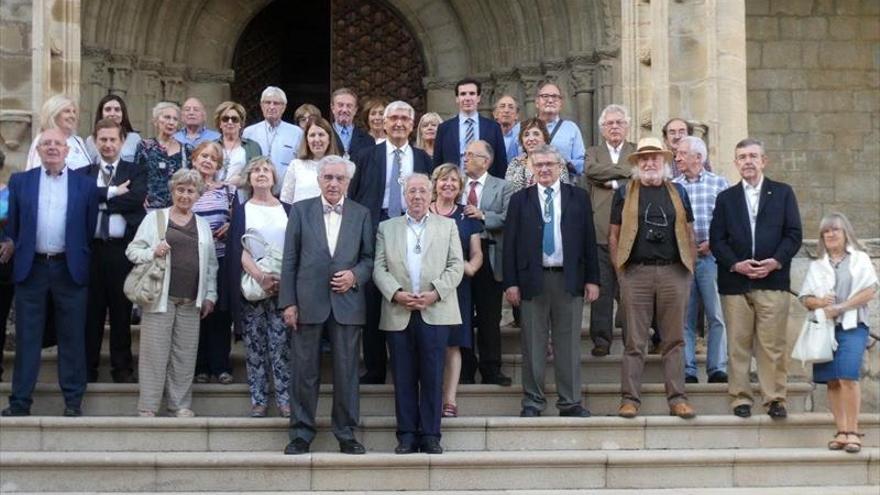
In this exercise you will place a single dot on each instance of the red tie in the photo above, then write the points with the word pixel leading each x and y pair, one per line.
pixel 472 195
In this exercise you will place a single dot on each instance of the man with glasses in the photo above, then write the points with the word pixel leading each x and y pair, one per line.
pixel 278 139
pixel 651 242
pixel 565 135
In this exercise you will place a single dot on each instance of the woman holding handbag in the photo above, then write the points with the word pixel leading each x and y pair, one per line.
pixel 257 240
pixel 170 325
pixel 841 283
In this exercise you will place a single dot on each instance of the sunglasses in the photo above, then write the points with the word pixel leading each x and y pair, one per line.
pixel 230 118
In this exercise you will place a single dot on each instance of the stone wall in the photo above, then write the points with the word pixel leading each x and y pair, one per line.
pixel 15 81
pixel 813 97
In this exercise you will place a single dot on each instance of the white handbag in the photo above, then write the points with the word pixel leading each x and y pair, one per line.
pixel 816 343
pixel 270 262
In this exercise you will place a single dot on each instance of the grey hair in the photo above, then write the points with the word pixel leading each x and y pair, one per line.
pixel 275 91
pixel 549 149
pixel 187 177
pixel 749 141
pixel 399 105
pixel 488 148
pixel 667 171
pixel 163 105
pixel 696 146
pixel 614 108
pixel 328 160
pixel 418 175
pixel 245 175
pixel 838 220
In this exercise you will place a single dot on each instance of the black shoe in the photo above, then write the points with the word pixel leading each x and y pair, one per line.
pixel 15 411
pixel 297 446
pixel 600 351
pixel 691 379
pixel 405 448
pixel 136 315
pixel 777 410
pixel 368 379
pixel 529 412
pixel 123 377
pixel 718 377
pixel 92 376
pixel 743 411
pixel 576 412
pixel 497 378
pixel 466 380
pixel 73 411
pixel 351 447
pixel 431 446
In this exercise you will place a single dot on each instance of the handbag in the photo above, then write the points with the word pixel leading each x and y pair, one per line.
pixel 816 343
pixel 270 263
pixel 144 283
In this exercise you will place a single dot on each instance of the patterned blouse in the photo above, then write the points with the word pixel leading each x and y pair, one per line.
pixel 214 205
pixel 520 175
pixel 160 167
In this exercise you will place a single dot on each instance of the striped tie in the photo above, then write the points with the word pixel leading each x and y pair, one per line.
pixel 469 133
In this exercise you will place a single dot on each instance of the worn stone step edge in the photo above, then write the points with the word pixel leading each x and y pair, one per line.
pixel 784 490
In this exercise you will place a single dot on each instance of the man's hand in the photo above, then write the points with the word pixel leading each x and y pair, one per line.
pixel 472 211
pixel 123 188
pixel 746 267
pixel 207 308
pixel 342 281
pixel 512 295
pixel 703 248
pixel 591 292
pixel 7 248
pixel 405 299
pixel 764 267
pixel 291 314
pixel 424 299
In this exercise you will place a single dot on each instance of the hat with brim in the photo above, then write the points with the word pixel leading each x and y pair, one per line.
pixel 649 146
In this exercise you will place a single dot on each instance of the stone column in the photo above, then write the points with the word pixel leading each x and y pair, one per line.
pixel 56 58
pixel 530 77
pixel 584 88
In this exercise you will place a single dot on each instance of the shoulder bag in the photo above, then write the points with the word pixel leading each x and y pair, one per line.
pixel 144 283
pixel 270 262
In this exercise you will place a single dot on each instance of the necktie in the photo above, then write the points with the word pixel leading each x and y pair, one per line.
pixel 104 231
pixel 337 208
pixel 549 243
pixel 472 195
pixel 469 132
pixel 394 204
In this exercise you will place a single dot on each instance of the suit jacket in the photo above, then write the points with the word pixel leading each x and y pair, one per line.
pixel 447 148
pixel 308 265
pixel 778 235
pixel 442 270
pixel 82 217
pixel 368 184
pixel 131 204
pixel 493 202
pixel 523 262
pixel 360 140
pixel 599 169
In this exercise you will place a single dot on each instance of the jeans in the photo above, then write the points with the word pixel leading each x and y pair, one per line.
pixel 705 281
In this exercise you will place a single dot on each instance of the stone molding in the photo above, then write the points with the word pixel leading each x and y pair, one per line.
pixel 15 126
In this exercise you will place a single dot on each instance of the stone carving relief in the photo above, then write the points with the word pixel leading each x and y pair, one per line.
pixel 15 127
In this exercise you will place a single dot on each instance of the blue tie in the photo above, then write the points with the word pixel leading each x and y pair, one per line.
pixel 549 242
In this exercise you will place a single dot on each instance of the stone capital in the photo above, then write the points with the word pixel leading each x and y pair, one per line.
pixel 15 126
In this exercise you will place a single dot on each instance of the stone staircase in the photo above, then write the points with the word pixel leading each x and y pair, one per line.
pixel 489 449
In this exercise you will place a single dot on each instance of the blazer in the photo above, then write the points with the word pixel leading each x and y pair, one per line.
pixel 140 250
pixel 360 140
pixel 442 270
pixel 131 204
pixel 308 265
pixel 493 202
pixel 447 148
pixel 523 252
pixel 368 184
pixel 82 217
pixel 598 170
pixel 778 235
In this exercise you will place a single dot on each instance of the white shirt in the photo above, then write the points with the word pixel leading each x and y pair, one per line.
pixel 270 222
pixel 406 169
pixel 556 258
pixel 116 226
pixel 480 184
pixel 415 236
pixel 332 222
pixel 614 152
pixel 234 161
pixel 300 181
pixel 52 212
pixel 281 142
pixel 753 201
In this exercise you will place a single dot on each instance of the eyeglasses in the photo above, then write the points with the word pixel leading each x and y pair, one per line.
pixel 331 178
pixel 614 123
pixel 549 96
pixel 471 155
pixel 230 118
pixel 663 223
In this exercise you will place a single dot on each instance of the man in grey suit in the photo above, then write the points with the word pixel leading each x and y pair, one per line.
pixel 485 198
pixel 419 265
pixel 328 257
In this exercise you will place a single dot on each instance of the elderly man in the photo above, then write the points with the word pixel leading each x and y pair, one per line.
pixel 349 138
pixel 378 185
pixel 703 188
pixel 454 135
pixel 674 131
pixel 506 113
pixel 278 139
pixel 419 265
pixel 486 198
pixel 52 217
pixel 551 276
pixel 606 171
pixel 194 131
pixel 321 280
pixel 565 135
pixel 652 248
pixel 754 234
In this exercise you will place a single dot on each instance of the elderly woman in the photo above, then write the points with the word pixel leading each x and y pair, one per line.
pixel 301 179
pixel 262 322
pixel 532 134
pixel 448 184
pixel 373 118
pixel 61 112
pixel 113 107
pixel 229 117
pixel 305 115
pixel 163 155
pixel 170 326
pixel 214 206
pixel 841 283
pixel 427 132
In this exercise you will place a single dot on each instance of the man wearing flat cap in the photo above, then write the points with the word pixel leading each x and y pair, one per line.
pixel 651 243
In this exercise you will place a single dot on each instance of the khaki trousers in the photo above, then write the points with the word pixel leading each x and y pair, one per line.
pixel 167 357
pixel 762 314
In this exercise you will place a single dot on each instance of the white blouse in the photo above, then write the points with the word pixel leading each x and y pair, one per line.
pixel 300 181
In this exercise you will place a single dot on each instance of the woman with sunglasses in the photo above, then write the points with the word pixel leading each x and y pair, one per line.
pixel 237 151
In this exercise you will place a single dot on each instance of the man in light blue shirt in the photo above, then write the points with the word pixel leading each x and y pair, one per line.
pixel 567 137
pixel 506 113
pixel 278 139
pixel 194 131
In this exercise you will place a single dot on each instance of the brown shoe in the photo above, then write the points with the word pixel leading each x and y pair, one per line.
pixel 682 410
pixel 628 410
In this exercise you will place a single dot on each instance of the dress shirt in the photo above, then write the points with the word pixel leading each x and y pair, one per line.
pixel 462 131
pixel 204 134
pixel 406 169
pixel 52 212
pixel 511 141
pixel 332 222
pixel 702 192
pixel 570 143
pixel 556 258
pixel 415 231
pixel 469 184
pixel 753 201
pixel 280 142
pixel 614 152
pixel 117 221
pixel 345 137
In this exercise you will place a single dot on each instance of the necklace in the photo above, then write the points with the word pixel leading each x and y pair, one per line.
pixel 835 261
pixel 447 214
pixel 418 234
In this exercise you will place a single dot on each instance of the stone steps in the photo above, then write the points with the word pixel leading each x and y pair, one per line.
pixel 767 490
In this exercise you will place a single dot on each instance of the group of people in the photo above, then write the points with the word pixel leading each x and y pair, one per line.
pixel 313 234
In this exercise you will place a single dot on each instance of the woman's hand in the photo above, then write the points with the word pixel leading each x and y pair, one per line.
pixel 269 282
pixel 7 248
pixel 161 249
pixel 207 308
pixel 221 231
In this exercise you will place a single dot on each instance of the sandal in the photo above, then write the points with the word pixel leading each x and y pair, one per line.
pixel 853 447
pixel 837 444
pixel 450 411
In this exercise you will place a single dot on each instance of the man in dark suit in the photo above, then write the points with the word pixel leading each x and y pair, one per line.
pixel 378 185
pixel 754 234
pixel 52 217
pixel 122 187
pixel 486 198
pixel 454 135
pixel 350 140
pixel 551 275
pixel 328 258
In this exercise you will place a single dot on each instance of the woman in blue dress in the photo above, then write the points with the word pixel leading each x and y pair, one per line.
pixel 448 184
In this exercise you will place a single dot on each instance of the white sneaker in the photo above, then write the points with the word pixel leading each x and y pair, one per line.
pixel 184 413
pixel 146 414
